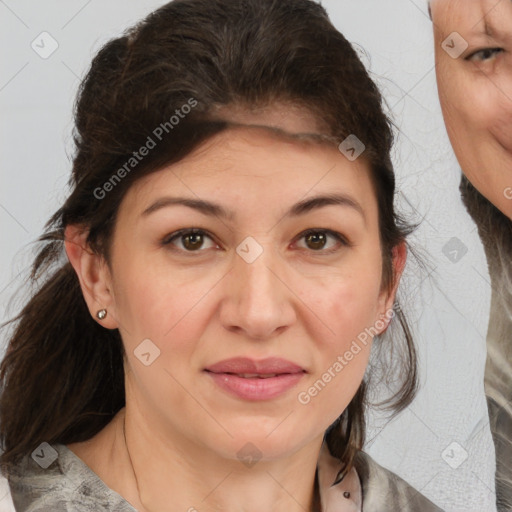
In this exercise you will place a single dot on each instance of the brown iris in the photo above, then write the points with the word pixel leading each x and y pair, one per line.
pixel 316 240
pixel 192 241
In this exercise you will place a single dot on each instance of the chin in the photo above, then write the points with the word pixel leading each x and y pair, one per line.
pixel 250 447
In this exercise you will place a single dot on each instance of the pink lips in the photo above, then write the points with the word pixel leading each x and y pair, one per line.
pixel 255 380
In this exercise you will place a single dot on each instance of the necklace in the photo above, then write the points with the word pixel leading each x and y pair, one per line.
pixel 316 493
pixel 133 469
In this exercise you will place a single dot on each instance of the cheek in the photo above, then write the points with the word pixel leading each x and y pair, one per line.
pixel 471 103
pixel 460 112
pixel 469 118
pixel 343 356
pixel 159 302
pixel 502 125
pixel 448 81
pixel 347 304
pixel 351 310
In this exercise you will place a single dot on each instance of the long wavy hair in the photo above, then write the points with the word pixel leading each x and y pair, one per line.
pixel 62 378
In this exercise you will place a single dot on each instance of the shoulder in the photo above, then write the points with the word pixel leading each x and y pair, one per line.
pixel 371 487
pixel 385 491
pixel 59 482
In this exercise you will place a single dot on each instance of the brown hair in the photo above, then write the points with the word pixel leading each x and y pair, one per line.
pixel 62 376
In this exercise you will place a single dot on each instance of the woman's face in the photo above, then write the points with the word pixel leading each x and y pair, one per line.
pixel 250 293
pixel 474 74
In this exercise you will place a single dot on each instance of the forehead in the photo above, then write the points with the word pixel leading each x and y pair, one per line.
pixel 256 152
pixel 472 17
pixel 251 167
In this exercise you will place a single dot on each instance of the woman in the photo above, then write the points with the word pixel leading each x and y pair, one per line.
pixel 232 251
pixel 475 91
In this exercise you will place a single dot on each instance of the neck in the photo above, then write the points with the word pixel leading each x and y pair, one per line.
pixel 156 473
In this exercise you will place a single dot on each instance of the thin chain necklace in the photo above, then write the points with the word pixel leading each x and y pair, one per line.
pixel 133 469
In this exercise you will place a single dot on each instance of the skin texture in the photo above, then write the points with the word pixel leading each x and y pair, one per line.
pixel 207 305
pixel 475 91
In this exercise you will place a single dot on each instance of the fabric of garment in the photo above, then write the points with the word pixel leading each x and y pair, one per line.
pixel 498 384
pixel 495 231
pixel 68 484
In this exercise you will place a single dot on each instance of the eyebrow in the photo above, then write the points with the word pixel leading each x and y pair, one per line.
pixel 491 26
pixel 300 208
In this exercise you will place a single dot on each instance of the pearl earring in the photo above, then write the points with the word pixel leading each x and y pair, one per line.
pixel 101 314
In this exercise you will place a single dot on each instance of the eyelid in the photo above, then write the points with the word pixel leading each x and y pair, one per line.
pixel 343 240
pixel 473 53
pixel 168 239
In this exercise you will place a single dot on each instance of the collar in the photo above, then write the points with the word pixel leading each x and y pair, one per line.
pixel 345 496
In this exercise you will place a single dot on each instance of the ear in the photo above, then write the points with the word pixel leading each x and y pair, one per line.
pixel 387 297
pixel 93 274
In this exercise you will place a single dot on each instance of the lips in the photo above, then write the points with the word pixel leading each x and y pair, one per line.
pixel 252 380
pixel 257 375
pixel 250 368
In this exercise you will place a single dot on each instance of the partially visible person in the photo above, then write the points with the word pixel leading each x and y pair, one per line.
pixel 473 48
pixel 475 90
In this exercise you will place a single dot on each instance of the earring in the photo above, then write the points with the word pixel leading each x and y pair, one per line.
pixel 101 313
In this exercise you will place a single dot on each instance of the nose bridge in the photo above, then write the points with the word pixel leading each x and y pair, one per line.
pixel 258 301
pixel 257 278
pixel 256 281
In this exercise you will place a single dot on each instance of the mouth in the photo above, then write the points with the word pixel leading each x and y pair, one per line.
pixel 248 379
pixel 251 368
pixel 253 375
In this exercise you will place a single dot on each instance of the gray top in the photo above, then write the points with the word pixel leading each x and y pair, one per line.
pixel 68 484
pixel 495 231
pixel 498 377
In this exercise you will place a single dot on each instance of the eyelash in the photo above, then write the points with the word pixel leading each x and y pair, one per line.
pixel 166 241
pixel 494 52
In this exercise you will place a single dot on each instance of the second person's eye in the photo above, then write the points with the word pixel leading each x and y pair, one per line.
pixel 484 54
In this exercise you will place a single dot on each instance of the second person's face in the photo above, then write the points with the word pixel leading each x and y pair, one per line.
pixel 473 47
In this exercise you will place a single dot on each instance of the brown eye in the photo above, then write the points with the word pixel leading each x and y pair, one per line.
pixel 189 240
pixel 193 241
pixel 318 240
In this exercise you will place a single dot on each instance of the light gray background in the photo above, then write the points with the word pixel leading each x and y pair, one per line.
pixel 449 307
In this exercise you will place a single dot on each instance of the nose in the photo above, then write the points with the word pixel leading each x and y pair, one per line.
pixel 258 301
